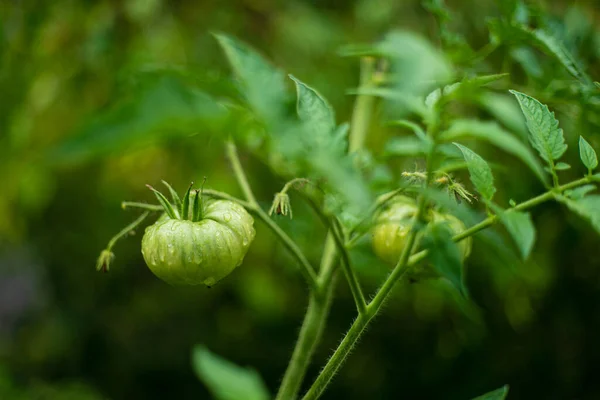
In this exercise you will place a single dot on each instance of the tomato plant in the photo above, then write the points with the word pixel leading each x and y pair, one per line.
pixel 415 219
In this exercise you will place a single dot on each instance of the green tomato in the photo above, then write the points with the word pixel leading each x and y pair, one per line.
pixel 392 227
pixel 457 226
pixel 187 252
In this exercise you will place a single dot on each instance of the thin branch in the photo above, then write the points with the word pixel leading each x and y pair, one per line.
pixel 239 172
pixel 353 282
pixel 252 205
pixel 133 204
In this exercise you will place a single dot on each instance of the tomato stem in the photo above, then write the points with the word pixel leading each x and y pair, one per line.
pixel 106 256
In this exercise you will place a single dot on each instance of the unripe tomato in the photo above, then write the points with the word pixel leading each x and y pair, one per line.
pixel 457 226
pixel 202 251
pixel 393 226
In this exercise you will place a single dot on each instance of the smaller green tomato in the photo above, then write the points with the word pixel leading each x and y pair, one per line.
pixel 392 228
pixel 201 249
pixel 457 226
pixel 393 224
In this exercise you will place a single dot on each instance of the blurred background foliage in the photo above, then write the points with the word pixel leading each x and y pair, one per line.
pixel 99 98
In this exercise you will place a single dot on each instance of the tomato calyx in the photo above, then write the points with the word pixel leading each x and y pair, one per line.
pixel 188 209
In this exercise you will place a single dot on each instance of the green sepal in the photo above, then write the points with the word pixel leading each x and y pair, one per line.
pixel 165 203
pixel 185 205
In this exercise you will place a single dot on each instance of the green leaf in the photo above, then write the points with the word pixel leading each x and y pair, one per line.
pixel 225 380
pixel 408 101
pixel 313 108
pixel 521 228
pixel 588 207
pixel 164 107
pixel 544 133
pixel 528 58
pixel 415 128
pixel 405 146
pixel 411 56
pixel 479 171
pixel 498 394
pixel 580 192
pixel 444 254
pixel 504 109
pixel 587 154
pixel 496 135
pixel 414 56
pixel 469 86
pixel 263 84
pixel 552 46
pixel 562 166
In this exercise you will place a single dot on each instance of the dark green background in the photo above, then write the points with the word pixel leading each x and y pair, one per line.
pixel 69 332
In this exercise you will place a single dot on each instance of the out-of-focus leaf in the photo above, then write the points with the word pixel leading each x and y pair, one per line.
pixel 580 192
pixel 545 135
pixel 310 147
pixel 469 86
pixel 587 154
pixel 503 108
pixel 551 45
pixel 444 254
pixel 225 380
pixel 562 166
pixel 411 56
pixel 417 130
pixel 494 134
pixel 479 171
pixel 588 207
pixel 465 89
pixel 263 84
pixel 162 108
pixel 408 101
pixel 314 109
pixel 521 228
pixel 498 394
pixel 528 59
pixel 406 146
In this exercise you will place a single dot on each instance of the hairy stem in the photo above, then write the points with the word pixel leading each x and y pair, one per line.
pixel 357 294
pixel 307 342
pixel 312 327
pixel 338 357
pixel 359 325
